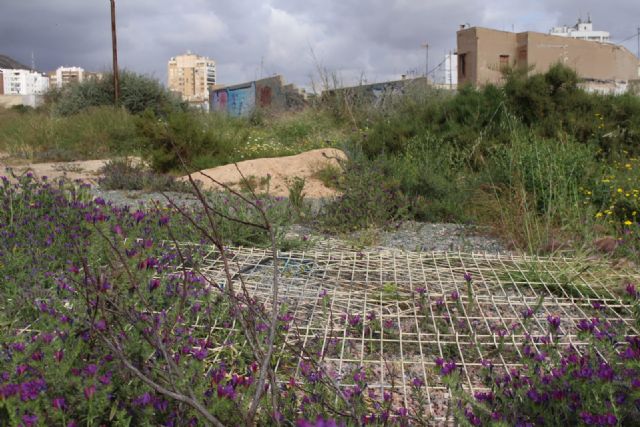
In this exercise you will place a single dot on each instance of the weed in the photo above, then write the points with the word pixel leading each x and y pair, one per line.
pixel 296 197
pixel 126 174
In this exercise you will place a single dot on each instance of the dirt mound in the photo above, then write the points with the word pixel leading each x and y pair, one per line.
pixel 277 171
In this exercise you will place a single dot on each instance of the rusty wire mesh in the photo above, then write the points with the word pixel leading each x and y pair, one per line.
pixel 409 314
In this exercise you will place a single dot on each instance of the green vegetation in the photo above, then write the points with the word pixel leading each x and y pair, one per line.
pixel 107 320
pixel 80 123
pixel 543 162
pixel 540 160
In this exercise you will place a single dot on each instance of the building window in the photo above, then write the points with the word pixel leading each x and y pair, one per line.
pixel 504 62
pixel 462 65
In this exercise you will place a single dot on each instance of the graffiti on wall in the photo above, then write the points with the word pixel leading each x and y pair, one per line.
pixel 241 100
pixel 219 100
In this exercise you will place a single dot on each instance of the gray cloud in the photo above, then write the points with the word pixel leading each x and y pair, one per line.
pixel 377 39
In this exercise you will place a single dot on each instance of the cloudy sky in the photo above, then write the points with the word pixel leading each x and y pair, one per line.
pixel 370 39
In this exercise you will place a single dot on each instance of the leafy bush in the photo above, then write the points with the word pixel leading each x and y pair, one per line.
pixel 137 94
pixel 189 141
pixel 369 198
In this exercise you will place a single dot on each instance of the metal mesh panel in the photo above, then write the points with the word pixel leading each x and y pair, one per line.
pixel 409 316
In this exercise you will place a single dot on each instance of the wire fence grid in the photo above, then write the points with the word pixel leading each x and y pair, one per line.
pixel 392 313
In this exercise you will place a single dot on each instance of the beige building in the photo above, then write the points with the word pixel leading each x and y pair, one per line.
pixel 192 76
pixel 68 75
pixel 483 53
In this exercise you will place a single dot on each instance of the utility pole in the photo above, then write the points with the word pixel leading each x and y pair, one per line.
pixel 638 42
pixel 426 65
pixel 114 45
pixel 450 70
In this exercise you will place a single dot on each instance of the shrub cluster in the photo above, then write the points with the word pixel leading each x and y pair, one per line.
pixel 514 157
pixel 138 93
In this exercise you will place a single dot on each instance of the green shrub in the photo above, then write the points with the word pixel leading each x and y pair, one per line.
pixel 369 198
pixel 190 140
pixel 124 174
pixel 137 94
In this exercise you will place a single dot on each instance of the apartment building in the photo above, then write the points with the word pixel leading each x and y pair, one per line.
pixel 66 75
pixel 192 76
pixel 23 82
pixel 483 53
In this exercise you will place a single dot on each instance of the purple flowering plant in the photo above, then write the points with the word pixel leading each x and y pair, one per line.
pixel 595 384
pixel 102 321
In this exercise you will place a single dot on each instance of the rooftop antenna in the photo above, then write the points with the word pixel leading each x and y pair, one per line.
pixel 33 61
pixel 589 18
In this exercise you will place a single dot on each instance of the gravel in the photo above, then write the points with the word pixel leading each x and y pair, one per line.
pixel 408 236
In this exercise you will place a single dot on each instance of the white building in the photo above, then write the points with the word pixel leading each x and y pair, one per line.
pixel 582 30
pixel 23 82
pixel 447 72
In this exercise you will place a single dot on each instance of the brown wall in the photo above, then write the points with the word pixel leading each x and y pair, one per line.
pixel 1 84
pixel 591 60
pixel 482 49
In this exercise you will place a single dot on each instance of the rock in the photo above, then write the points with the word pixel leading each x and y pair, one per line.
pixel 606 244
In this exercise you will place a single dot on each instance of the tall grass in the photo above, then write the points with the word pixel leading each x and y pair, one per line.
pixel 91 134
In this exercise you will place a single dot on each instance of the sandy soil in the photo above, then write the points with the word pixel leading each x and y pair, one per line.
pixel 280 169
pixel 86 170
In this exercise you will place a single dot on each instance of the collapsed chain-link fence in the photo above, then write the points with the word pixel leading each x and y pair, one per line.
pixel 392 313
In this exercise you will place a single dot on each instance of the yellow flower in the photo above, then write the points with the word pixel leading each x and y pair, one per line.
pixel 599 215
pixel 620 190
pixel 627 222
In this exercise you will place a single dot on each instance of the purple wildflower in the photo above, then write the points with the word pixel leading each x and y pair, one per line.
pixel 29 420
pixel 154 284
pixel 527 314
pixel 631 291
pixel 58 403
pixel 89 392
pixel 138 216
pixel 554 322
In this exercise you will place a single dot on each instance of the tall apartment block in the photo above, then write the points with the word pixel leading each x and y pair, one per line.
pixel 192 76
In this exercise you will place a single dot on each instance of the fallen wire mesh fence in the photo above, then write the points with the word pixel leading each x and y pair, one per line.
pixel 392 313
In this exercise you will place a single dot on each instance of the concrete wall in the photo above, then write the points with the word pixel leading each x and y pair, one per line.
pixel 242 99
pixel 591 60
pixel 8 101
pixel 483 49
pixel 377 93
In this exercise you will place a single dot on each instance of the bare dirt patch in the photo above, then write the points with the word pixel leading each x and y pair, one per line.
pixel 83 170
pixel 278 171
